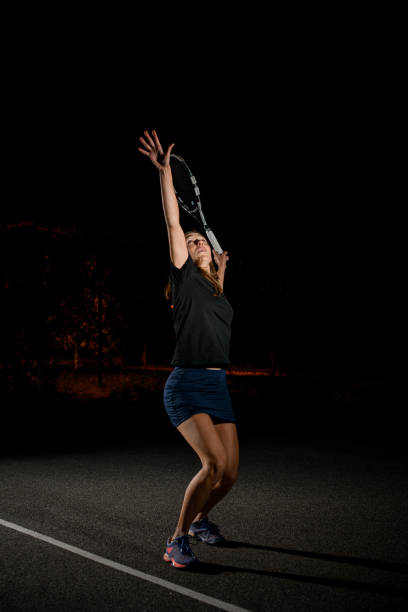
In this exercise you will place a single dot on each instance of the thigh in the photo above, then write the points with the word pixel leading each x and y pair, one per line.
pixel 200 433
pixel 229 438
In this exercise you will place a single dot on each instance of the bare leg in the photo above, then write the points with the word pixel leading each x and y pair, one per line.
pixel 229 438
pixel 195 497
pixel 200 433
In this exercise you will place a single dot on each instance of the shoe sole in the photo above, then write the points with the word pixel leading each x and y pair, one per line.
pixel 175 564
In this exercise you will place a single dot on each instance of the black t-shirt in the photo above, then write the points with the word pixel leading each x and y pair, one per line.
pixel 202 321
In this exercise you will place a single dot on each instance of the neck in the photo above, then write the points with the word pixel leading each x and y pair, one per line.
pixel 203 263
pixel 205 267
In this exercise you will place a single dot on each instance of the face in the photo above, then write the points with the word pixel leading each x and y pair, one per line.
pixel 198 248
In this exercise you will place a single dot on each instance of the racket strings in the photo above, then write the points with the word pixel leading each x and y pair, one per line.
pixel 185 185
pixel 188 194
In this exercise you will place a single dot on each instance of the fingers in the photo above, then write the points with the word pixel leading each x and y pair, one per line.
pixel 157 141
pixel 149 138
pixel 143 151
pixel 144 143
pixel 167 156
pixel 153 148
pixel 220 256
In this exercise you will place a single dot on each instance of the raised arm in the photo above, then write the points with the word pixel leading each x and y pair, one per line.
pixel 177 242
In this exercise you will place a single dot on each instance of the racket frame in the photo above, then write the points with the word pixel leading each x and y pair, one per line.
pixel 198 208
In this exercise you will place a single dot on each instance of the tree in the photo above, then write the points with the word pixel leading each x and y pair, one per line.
pixel 89 323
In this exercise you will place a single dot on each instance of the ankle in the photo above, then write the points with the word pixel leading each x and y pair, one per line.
pixel 199 517
pixel 177 534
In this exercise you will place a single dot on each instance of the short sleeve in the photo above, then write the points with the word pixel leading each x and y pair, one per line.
pixel 178 275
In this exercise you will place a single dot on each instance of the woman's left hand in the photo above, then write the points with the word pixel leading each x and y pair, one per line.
pixel 221 259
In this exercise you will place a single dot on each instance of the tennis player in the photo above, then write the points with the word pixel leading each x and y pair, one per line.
pixel 196 395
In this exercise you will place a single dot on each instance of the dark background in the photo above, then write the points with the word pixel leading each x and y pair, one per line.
pixel 295 182
pixel 297 198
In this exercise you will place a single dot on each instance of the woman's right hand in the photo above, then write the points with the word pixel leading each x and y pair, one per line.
pixel 154 150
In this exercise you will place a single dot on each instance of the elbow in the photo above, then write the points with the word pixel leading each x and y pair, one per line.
pixel 172 221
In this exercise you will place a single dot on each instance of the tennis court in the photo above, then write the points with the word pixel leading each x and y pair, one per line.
pixel 310 526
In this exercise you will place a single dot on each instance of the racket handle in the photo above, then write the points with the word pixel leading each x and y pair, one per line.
pixel 213 241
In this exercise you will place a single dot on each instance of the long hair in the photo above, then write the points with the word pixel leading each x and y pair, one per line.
pixel 212 276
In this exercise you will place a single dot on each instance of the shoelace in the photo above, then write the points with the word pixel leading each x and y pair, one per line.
pixel 206 524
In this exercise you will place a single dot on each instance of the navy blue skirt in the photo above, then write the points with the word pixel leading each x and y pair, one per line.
pixel 189 391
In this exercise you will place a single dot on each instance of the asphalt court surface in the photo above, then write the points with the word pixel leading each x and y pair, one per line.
pixel 309 527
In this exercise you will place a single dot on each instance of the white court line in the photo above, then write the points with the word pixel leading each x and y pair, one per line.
pixel 217 603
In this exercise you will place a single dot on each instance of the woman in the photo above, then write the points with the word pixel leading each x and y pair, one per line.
pixel 196 395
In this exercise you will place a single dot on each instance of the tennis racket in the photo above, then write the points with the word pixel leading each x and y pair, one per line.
pixel 188 195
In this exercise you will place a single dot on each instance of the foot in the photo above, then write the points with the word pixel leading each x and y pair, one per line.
pixel 206 531
pixel 179 553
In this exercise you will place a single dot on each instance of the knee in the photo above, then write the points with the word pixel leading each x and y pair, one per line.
pixel 214 468
pixel 229 477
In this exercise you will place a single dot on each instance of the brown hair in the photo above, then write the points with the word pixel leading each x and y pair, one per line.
pixel 212 276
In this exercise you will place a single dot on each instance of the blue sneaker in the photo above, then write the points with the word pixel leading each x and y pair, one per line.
pixel 179 553
pixel 206 531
